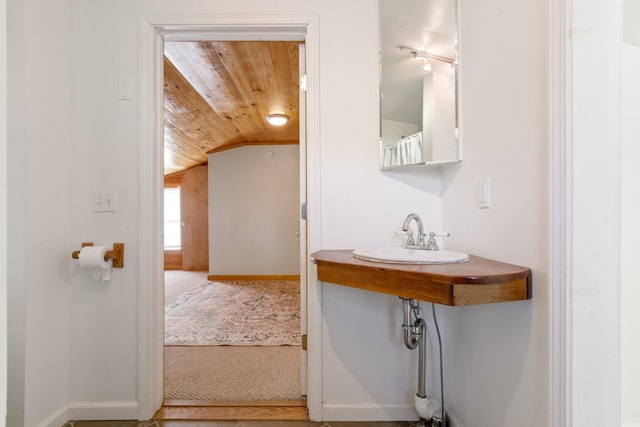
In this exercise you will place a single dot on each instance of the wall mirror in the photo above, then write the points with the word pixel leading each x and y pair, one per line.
pixel 418 83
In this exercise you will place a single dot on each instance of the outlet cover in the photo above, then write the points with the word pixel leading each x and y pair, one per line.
pixel 104 200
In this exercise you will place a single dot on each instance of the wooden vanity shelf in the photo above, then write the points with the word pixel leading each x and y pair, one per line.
pixel 477 281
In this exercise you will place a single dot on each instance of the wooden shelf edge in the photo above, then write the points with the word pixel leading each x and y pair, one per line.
pixel 478 281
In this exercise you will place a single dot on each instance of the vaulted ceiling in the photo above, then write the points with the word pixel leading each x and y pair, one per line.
pixel 217 94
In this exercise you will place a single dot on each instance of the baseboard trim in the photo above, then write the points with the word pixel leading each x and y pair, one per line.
pixel 335 412
pixel 100 411
pixel 223 277
pixel 58 418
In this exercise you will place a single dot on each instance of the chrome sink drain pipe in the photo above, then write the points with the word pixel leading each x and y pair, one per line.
pixel 415 335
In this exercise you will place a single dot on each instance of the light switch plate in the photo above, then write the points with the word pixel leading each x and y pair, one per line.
pixel 104 200
pixel 485 193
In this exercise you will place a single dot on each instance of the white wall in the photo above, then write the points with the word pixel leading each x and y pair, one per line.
pixel 496 352
pixel 630 16
pixel 444 118
pixel 38 214
pixel 630 232
pixel 47 134
pixel 104 151
pixel 630 294
pixel 3 213
pixel 496 368
pixel 16 213
pixel 367 373
pixel 359 205
pixel 394 131
pixel 254 203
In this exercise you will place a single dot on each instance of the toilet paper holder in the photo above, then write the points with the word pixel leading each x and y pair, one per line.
pixel 116 255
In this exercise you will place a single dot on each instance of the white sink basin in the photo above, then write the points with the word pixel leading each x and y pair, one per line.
pixel 410 256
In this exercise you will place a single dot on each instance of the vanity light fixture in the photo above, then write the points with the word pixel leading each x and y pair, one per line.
pixel 422 57
pixel 425 57
pixel 426 65
pixel 277 119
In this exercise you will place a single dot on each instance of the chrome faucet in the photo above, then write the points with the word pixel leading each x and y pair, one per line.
pixel 419 243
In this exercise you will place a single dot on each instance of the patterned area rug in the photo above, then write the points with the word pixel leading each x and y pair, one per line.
pixel 261 312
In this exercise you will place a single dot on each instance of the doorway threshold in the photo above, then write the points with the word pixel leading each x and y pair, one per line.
pixel 263 410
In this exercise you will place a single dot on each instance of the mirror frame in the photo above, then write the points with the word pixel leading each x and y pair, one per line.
pixel 456 139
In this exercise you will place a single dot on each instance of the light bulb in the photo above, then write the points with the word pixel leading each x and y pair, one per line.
pixel 277 119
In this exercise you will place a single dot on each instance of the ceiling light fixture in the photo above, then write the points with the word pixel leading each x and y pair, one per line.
pixel 425 57
pixel 426 65
pixel 277 119
pixel 422 57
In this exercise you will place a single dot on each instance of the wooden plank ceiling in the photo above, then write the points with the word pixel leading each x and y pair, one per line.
pixel 217 93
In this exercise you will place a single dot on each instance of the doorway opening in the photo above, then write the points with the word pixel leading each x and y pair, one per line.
pixel 239 260
pixel 154 31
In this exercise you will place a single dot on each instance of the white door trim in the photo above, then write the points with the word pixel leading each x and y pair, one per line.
pixel 150 258
pixel 4 190
pixel 150 328
pixel 302 221
pixel 560 239
pixel 584 296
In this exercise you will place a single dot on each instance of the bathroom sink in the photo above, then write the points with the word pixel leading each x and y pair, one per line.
pixel 410 256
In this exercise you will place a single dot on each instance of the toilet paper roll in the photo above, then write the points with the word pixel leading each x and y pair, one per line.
pixel 93 258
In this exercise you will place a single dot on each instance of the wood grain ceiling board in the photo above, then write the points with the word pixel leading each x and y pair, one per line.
pixel 217 93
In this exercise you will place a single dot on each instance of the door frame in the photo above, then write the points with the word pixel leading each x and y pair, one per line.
pixel 153 31
pixel 583 296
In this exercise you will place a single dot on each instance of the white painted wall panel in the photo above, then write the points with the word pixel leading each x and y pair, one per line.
pixel 47 131
pixel 103 317
pixel 496 355
pixel 630 232
pixel 16 214
pixel 3 214
pixel 631 30
pixel 253 211
pixel 359 205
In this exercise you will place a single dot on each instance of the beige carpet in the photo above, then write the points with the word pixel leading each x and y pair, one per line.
pixel 177 282
pixel 232 373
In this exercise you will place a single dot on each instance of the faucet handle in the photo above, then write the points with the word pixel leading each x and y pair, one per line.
pixel 443 234
pixel 431 244
pixel 408 234
pixel 410 240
